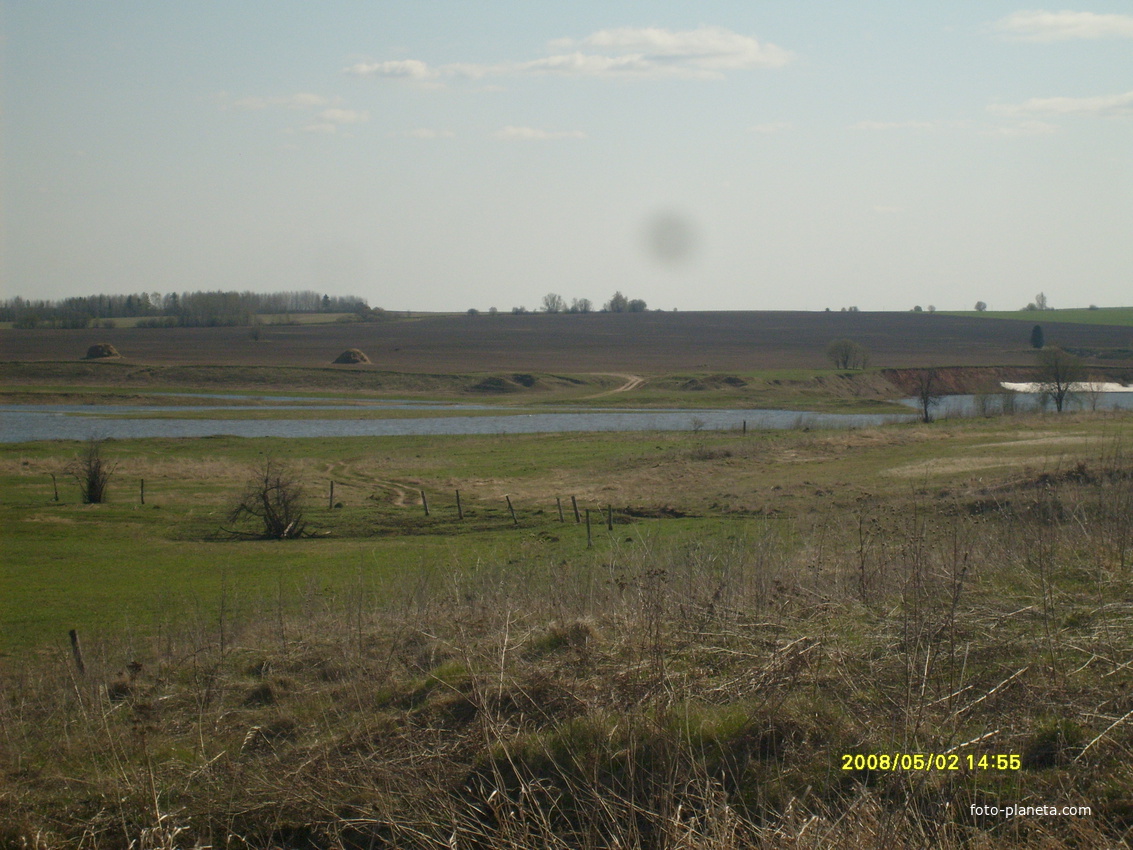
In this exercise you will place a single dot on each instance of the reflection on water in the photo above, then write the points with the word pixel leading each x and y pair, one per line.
pixel 24 423
pixel 993 404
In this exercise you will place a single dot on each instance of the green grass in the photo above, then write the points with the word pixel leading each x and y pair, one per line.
pixel 764 605
pixel 120 564
pixel 1122 316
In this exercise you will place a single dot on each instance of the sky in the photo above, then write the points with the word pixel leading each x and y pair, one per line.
pixel 433 155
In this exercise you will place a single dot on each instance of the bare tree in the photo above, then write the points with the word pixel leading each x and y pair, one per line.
pixel 847 354
pixel 554 303
pixel 581 305
pixel 273 497
pixel 928 392
pixel 92 472
pixel 1059 371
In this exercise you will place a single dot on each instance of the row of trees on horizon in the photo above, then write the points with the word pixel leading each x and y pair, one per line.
pixel 186 309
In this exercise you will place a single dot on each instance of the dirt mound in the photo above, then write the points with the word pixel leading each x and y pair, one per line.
pixel 713 382
pixel 496 384
pixel 507 384
pixel 352 355
pixel 101 350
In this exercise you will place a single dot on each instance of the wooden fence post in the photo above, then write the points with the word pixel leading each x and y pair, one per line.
pixel 54 487
pixel 142 490
pixel 610 517
pixel 559 505
pixel 510 508
pixel 574 504
pixel 459 509
pixel 425 502
pixel 745 427
pixel 330 498
pixel 589 539
pixel 77 651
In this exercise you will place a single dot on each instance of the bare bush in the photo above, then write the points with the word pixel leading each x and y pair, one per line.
pixel 92 472
pixel 272 496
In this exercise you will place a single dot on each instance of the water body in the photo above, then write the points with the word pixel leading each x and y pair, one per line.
pixel 996 403
pixel 26 422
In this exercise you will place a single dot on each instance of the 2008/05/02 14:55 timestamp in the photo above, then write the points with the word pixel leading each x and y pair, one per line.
pixel 931 761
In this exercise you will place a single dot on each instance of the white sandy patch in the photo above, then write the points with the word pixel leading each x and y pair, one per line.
pixel 1036 441
pixel 947 466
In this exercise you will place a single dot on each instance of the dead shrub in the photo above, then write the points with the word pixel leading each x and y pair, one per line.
pixel 273 497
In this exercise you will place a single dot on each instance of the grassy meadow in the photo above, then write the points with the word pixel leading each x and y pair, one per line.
pixel 765 608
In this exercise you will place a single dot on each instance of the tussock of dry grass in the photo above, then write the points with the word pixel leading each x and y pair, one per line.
pixel 699 695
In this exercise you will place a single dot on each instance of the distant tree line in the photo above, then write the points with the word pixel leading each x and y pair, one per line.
pixel 187 309
pixel 555 303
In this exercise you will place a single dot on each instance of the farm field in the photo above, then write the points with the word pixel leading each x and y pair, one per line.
pixel 1082 315
pixel 636 343
pixel 764 607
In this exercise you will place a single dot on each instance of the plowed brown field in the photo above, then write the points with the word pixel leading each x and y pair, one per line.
pixel 640 343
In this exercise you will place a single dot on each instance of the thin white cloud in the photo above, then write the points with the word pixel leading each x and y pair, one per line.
pixel 1024 128
pixel 896 125
pixel 300 100
pixel 643 53
pixel 770 127
pixel 344 116
pixel 1043 26
pixel 328 120
pixel 425 133
pixel 534 134
pixel 1100 106
pixel 408 68
pixel 706 49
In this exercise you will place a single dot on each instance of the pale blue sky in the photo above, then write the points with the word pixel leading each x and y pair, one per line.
pixel 447 155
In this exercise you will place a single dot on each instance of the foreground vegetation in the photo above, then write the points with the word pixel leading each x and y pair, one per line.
pixel 762 606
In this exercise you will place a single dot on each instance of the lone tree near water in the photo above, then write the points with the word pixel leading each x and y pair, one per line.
pixel 273 497
pixel 928 392
pixel 1059 371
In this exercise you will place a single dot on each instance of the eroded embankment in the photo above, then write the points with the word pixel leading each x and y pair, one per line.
pixel 952 380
